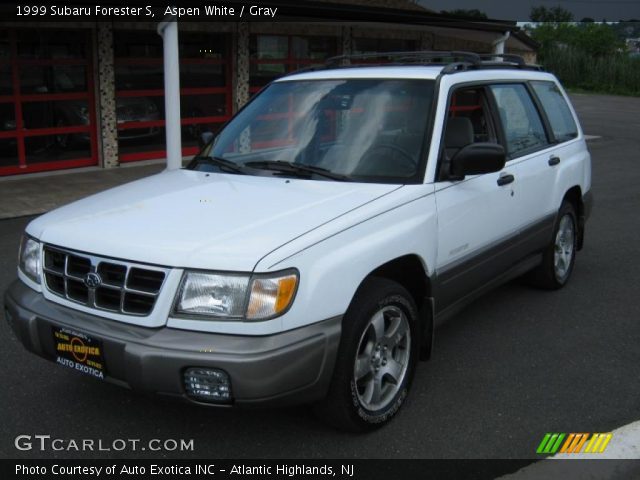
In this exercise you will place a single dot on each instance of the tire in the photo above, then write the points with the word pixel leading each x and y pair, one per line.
pixel 560 256
pixel 376 360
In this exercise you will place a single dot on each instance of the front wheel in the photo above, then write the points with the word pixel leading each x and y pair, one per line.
pixel 559 257
pixel 376 359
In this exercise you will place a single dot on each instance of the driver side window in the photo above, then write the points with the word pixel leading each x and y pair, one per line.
pixel 468 121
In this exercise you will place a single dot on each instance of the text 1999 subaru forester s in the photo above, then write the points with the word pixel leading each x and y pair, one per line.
pixel 308 251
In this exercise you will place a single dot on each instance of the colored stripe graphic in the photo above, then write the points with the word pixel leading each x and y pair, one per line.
pixel 550 443
pixel 598 443
pixel 574 443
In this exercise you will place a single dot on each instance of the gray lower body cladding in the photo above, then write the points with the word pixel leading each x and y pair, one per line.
pixel 292 367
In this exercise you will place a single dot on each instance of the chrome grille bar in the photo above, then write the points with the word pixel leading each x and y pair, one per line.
pixel 103 283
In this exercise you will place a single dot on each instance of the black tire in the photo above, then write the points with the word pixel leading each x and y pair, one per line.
pixel 548 275
pixel 345 406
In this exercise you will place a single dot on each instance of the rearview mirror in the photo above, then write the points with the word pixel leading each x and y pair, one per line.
pixel 478 158
pixel 205 138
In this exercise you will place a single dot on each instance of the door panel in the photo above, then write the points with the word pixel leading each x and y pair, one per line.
pixel 537 180
pixel 475 216
pixel 533 159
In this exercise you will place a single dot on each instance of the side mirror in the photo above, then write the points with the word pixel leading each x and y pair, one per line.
pixel 205 138
pixel 478 158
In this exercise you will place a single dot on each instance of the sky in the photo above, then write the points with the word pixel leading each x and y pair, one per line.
pixel 519 9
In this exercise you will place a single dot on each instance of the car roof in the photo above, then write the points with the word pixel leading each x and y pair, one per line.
pixel 386 71
pixel 428 72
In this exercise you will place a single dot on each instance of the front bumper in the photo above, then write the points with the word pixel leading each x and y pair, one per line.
pixel 293 367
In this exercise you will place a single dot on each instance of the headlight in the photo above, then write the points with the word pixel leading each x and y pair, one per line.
pixel 29 258
pixel 216 295
pixel 228 296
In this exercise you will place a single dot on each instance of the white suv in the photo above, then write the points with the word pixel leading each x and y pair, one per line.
pixel 309 250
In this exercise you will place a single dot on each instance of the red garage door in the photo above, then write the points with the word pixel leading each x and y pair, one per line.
pixel 205 90
pixel 275 55
pixel 47 114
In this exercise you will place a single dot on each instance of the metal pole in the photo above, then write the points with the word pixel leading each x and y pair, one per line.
pixel 168 30
pixel 498 45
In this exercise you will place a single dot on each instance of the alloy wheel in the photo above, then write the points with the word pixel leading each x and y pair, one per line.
pixel 382 358
pixel 564 248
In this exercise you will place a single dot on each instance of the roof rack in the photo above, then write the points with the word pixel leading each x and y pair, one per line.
pixel 409 57
pixel 453 61
pixel 507 57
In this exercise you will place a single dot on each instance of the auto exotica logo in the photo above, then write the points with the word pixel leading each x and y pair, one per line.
pixel 79 352
pixel 574 443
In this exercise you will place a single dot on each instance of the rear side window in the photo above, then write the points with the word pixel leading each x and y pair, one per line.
pixel 558 112
pixel 522 125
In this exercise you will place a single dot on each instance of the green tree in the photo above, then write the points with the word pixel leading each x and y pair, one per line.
pixel 627 29
pixel 586 55
pixel 553 35
pixel 550 15
pixel 596 39
pixel 460 12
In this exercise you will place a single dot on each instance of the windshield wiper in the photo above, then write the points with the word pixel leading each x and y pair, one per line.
pixel 296 168
pixel 222 163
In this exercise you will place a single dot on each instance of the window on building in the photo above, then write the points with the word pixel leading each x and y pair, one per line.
pixel 272 56
pixel 50 44
pixel 47 116
pixel 376 45
pixel 5 50
pixel 205 90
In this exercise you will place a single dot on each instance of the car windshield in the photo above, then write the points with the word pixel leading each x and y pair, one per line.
pixel 368 130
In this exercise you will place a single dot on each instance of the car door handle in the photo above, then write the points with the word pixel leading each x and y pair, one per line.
pixel 554 161
pixel 505 179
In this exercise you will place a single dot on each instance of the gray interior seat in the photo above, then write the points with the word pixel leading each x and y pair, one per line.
pixel 459 133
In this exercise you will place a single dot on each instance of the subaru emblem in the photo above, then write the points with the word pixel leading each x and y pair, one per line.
pixel 92 280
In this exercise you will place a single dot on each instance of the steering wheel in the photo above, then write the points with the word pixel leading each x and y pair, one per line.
pixel 387 159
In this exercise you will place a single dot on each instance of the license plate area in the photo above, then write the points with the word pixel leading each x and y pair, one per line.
pixel 79 351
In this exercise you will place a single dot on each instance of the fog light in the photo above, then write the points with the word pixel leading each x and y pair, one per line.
pixel 207 385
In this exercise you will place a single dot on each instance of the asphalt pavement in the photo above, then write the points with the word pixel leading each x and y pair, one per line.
pixel 514 365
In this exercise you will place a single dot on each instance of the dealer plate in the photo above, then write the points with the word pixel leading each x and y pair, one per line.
pixel 79 351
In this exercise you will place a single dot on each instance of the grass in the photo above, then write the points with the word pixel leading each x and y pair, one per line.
pixel 616 74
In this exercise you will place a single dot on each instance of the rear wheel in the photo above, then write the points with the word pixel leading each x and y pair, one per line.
pixel 376 359
pixel 559 257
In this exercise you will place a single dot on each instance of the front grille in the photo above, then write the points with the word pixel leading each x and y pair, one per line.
pixel 101 283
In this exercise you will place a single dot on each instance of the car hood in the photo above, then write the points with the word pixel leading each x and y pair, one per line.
pixel 197 220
